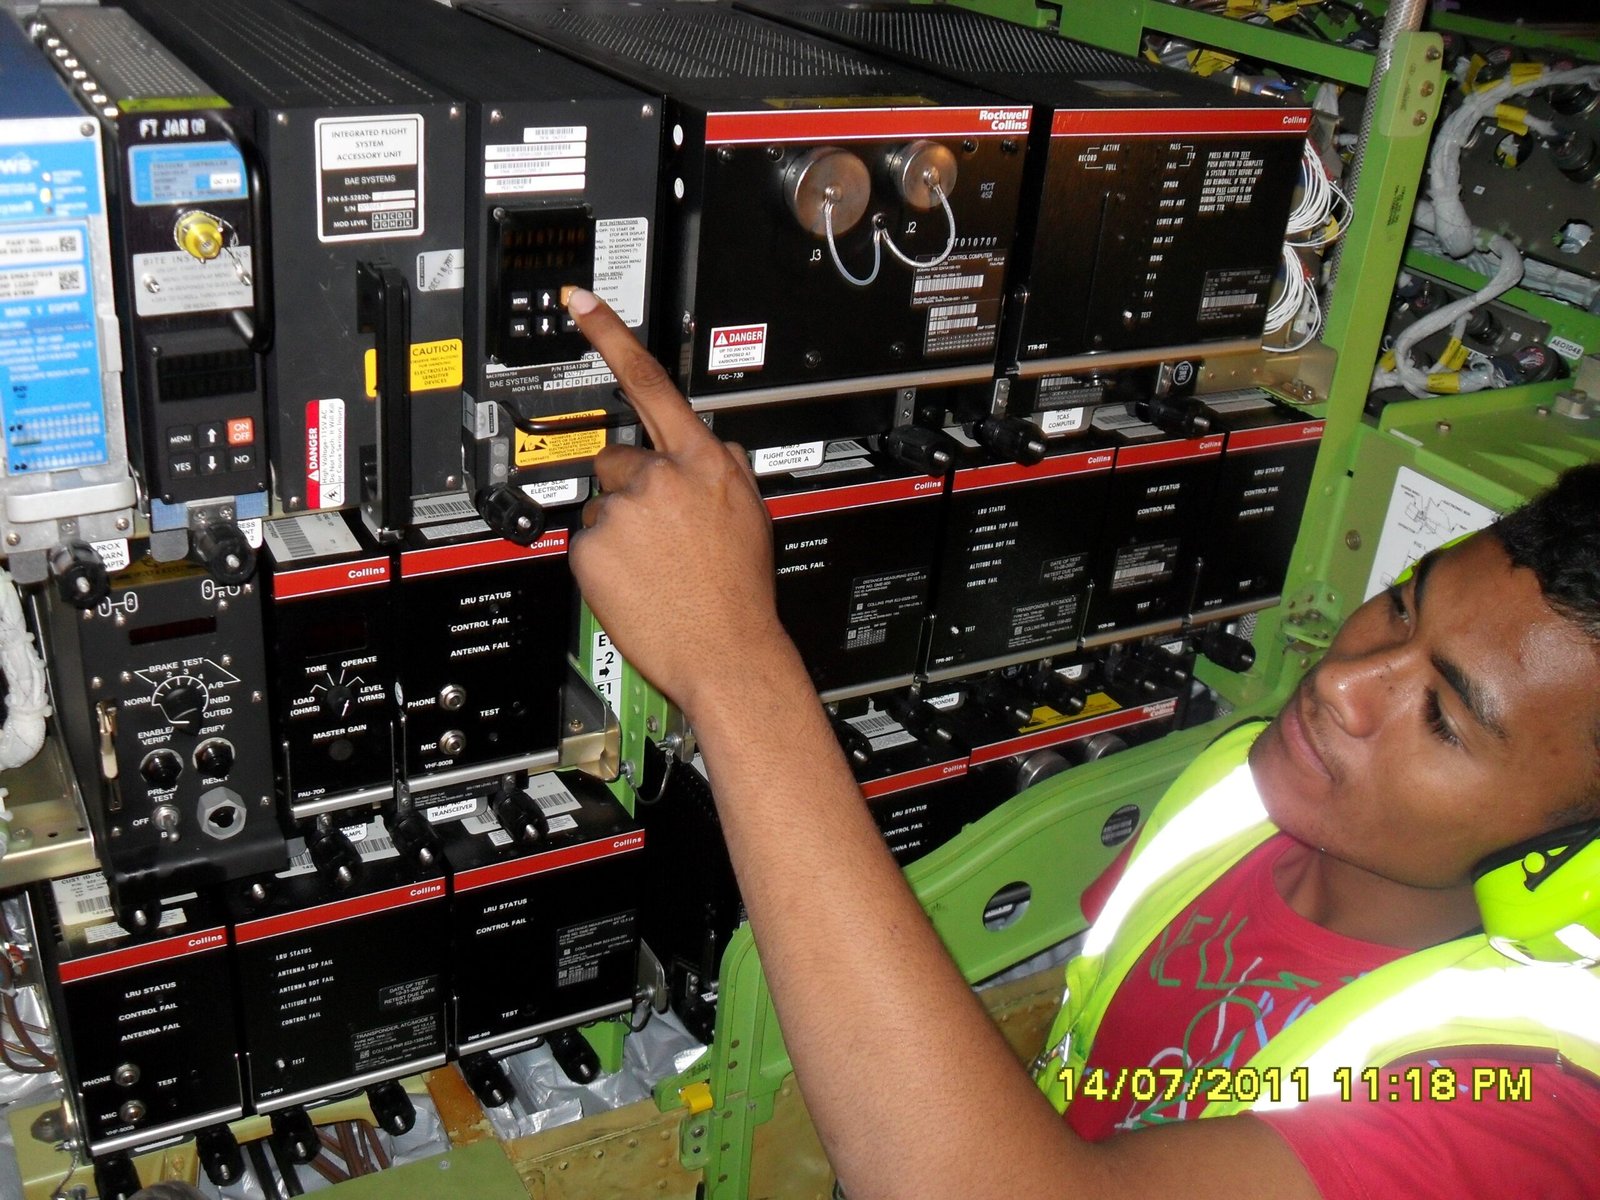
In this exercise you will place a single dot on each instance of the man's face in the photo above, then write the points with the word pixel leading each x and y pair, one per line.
pixel 1452 717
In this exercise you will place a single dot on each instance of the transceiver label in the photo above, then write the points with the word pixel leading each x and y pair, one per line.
pixel 50 389
pixel 186 173
pixel 369 178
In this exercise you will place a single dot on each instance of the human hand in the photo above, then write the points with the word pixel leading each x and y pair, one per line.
pixel 675 555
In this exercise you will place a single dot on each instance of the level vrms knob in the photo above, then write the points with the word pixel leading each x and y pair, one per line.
pixel 827 178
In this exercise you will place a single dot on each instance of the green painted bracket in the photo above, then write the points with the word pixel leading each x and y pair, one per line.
pixel 479 1169
pixel 1565 320
pixel 1022 12
pixel 1121 27
pixel 1531 38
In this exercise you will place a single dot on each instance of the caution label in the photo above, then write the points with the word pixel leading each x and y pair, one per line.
pixel 1045 717
pixel 738 348
pixel 542 449
pixel 434 367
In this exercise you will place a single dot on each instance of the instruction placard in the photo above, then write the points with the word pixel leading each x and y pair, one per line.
pixel 1423 515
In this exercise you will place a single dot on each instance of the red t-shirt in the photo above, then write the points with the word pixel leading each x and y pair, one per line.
pixel 1237 966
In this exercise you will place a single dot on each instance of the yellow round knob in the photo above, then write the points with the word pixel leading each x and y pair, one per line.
pixel 199 234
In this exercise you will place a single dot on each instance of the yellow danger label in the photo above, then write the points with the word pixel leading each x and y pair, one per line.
pixel 542 449
pixel 434 366
pixel 1045 717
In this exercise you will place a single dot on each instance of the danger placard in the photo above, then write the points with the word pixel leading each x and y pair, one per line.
pixel 738 348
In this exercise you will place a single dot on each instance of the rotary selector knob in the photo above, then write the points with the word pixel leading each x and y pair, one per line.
pixel 161 768
pixel 337 699
pixel 214 756
pixel 182 700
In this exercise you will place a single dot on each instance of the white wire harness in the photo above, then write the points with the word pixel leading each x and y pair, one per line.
pixel 1317 221
pixel 1443 219
pixel 27 699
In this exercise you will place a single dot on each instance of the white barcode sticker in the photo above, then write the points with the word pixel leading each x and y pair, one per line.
pixel 375 847
pixel 946 283
pixel 1114 416
pixel 551 795
pixel 309 535
pixel 1252 402
pixel 499 837
pixel 81 898
pixel 441 508
pixel 455 529
pixel 96 934
pixel 561 824
pixel 882 731
pixel 844 448
pixel 833 468
pixel 480 823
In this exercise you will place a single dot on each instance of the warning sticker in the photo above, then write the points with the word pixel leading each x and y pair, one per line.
pixel 369 177
pixel 738 348
pixel 1045 717
pixel 324 453
pixel 434 367
pixel 542 449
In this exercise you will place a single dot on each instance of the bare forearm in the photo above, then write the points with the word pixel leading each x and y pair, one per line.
pixel 908 1081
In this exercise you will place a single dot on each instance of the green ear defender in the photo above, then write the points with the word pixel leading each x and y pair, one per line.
pixel 1540 899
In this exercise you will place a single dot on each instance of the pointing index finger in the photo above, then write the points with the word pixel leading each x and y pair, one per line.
pixel 666 415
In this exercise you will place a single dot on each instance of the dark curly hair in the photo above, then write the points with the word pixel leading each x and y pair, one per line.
pixel 1556 535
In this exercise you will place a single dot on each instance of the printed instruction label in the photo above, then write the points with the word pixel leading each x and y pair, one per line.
pixel 1423 515
pixel 325 453
pixel 369 177
pixel 621 249
pixel 542 449
pixel 738 348
pixel 434 367
pixel 174 282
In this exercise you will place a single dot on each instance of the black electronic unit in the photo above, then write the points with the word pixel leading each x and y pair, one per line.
pixel 1019 551
pixel 185 204
pixel 162 692
pixel 835 223
pixel 686 858
pixel 1156 517
pixel 544 911
pixel 334 665
pixel 1157 200
pixel 480 695
pixel 145 1026
pixel 910 770
pixel 854 543
pixel 1260 498
pixel 328 1002
pixel 561 189
pixel 364 163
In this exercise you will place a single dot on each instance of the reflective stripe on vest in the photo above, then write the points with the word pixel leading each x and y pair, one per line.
pixel 1462 993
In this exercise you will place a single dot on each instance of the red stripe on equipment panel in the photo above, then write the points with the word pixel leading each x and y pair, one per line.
pixel 141 956
pixel 443 559
pixel 1072 731
pixel 340 910
pixel 890 784
pixel 1165 452
pixel 1177 122
pixel 1276 435
pixel 861 495
pixel 319 581
pixel 845 124
pixel 1086 462
pixel 550 860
